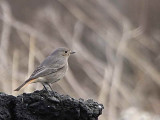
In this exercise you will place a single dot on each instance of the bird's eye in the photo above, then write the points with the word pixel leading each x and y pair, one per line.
pixel 65 51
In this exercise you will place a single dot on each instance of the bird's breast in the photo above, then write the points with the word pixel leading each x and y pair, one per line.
pixel 57 75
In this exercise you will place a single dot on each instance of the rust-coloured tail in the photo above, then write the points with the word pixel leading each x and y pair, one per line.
pixel 24 84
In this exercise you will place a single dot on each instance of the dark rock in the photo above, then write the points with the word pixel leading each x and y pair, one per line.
pixel 6 105
pixel 39 106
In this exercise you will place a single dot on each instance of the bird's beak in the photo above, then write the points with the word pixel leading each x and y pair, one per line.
pixel 72 52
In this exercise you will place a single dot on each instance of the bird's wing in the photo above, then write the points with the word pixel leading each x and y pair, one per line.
pixel 43 71
pixel 48 66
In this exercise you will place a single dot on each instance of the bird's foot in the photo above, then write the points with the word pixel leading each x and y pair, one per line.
pixel 53 99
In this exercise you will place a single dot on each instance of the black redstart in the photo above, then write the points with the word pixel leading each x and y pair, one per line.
pixel 52 69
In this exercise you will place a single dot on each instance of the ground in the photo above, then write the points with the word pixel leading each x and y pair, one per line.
pixel 39 105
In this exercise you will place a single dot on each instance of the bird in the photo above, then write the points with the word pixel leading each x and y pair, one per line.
pixel 51 70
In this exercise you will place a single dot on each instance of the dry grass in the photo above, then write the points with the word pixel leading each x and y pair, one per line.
pixel 117 61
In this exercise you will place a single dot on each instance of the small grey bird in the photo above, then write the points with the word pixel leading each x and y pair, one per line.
pixel 52 69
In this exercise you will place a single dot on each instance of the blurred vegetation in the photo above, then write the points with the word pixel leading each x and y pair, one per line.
pixel 117 44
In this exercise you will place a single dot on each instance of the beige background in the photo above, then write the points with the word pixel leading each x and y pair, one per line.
pixel 117 44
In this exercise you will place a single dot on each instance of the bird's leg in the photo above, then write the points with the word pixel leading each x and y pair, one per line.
pixel 52 98
pixel 46 88
pixel 49 86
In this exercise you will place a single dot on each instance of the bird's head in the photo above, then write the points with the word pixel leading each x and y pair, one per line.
pixel 64 52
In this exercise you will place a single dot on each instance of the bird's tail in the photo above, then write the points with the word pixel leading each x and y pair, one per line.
pixel 24 84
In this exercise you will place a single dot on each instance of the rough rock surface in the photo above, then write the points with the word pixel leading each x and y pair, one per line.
pixel 39 105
